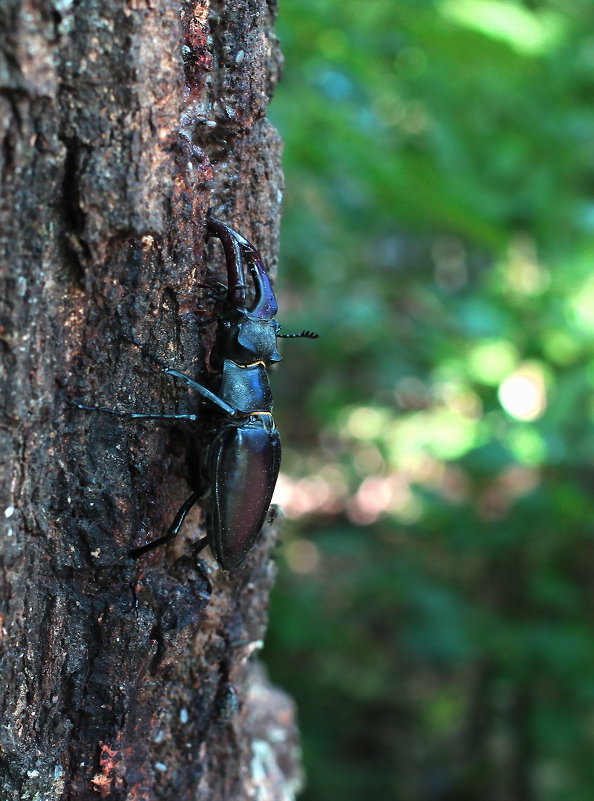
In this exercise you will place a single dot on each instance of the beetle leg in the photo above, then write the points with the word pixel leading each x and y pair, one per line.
pixel 206 393
pixel 172 532
pixel 199 546
pixel 135 415
pixel 216 290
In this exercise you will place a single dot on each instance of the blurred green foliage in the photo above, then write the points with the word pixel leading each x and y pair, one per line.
pixel 434 612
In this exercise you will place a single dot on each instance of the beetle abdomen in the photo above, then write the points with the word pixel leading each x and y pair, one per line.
pixel 246 460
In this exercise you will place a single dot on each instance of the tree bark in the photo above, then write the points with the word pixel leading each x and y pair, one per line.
pixel 122 122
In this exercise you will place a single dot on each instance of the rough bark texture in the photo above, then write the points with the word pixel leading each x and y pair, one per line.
pixel 122 121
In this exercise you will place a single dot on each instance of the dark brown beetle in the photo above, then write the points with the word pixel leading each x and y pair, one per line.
pixel 243 458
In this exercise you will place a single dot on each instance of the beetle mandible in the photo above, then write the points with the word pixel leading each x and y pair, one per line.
pixel 242 461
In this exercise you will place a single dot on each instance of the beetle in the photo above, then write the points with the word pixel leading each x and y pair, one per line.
pixel 241 463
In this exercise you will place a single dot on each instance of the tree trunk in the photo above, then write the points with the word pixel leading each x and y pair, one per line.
pixel 123 121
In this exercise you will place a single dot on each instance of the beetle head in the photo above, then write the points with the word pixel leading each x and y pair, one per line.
pixel 245 335
pixel 245 338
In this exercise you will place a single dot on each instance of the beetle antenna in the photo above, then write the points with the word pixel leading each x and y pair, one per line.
pixel 303 334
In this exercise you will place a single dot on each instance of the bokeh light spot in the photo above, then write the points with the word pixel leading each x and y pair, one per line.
pixel 365 422
pixel 528 446
pixel 523 393
pixel 490 362
pixel 521 28
pixel 302 556
pixel 582 306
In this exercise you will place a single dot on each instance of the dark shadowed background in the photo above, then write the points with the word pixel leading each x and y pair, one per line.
pixel 434 612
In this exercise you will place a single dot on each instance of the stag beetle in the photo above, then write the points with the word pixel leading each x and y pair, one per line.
pixel 241 464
